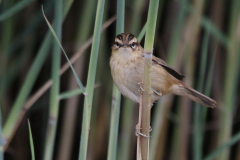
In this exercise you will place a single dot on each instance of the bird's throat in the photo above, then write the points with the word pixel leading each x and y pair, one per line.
pixel 124 53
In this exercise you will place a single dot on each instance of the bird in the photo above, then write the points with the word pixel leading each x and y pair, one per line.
pixel 127 68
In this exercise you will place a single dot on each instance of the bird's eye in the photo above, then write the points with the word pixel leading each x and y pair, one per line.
pixel 117 44
pixel 133 45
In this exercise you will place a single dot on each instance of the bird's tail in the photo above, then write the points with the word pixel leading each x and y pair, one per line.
pixel 194 95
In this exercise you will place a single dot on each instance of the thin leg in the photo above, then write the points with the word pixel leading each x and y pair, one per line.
pixel 158 93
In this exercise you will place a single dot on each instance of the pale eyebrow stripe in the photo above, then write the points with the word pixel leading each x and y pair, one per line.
pixel 134 40
pixel 117 40
pixel 130 37
pixel 120 37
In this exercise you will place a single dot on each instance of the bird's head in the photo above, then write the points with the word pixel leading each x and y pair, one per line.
pixel 126 44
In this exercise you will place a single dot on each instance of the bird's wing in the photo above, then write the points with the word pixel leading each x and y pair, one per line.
pixel 169 69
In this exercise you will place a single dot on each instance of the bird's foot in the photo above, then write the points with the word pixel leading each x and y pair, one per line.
pixel 156 92
pixel 138 133
pixel 151 92
pixel 142 90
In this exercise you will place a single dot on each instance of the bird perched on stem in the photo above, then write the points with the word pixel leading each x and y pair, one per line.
pixel 127 67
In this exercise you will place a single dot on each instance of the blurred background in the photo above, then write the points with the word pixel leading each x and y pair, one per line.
pixel 199 38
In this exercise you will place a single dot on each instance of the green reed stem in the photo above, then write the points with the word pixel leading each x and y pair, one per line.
pixel 160 117
pixel 1 139
pixel 146 98
pixel 7 28
pixel 198 112
pixel 135 20
pixel 54 91
pixel 209 79
pixel 142 33
pixel 176 34
pixel 231 79
pixel 90 82
pixel 116 95
pixel 85 28
pixel 115 113
pixel 128 105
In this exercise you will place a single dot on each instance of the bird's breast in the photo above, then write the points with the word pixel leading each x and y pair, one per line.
pixel 126 76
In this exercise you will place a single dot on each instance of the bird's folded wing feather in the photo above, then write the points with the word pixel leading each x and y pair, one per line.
pixel 169 69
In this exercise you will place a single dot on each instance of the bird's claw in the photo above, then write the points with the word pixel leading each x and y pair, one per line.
pixel 158 93
pixel 151 92
pixel 138 133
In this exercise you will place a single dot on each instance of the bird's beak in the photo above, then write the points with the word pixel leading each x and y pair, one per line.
pixel 125 45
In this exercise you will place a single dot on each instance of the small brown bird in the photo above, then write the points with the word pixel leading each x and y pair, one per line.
pixel 127 65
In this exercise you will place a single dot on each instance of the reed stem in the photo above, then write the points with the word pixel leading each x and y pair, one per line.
pixel 116 95
pixel 90 82
pixel 146 98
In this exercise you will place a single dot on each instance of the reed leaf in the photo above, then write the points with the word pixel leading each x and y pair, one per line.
pixel 31 141
pixel 59 43
pixel 227 145
pixel 69 94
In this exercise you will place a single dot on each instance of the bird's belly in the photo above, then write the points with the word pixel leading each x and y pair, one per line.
pixel 126 80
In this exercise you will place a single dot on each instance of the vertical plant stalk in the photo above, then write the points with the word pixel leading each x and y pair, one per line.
pixel 198 110
pixel 135 20
pixel 128 110
pixel 90 82
pixel 116 96
pixel 1 139
pixel 7 28
pixel 59 43
pixel 188 47
pixel 191 33
pixel 112 146
pixel 163 108
pixel 146 106
pixel 139 156
pixel 126 140
pixel 54 92
pixel 173 49
pixel 101 107
pixel 128 105
pixel 146 99
pixel 69 119
pixel 231 77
